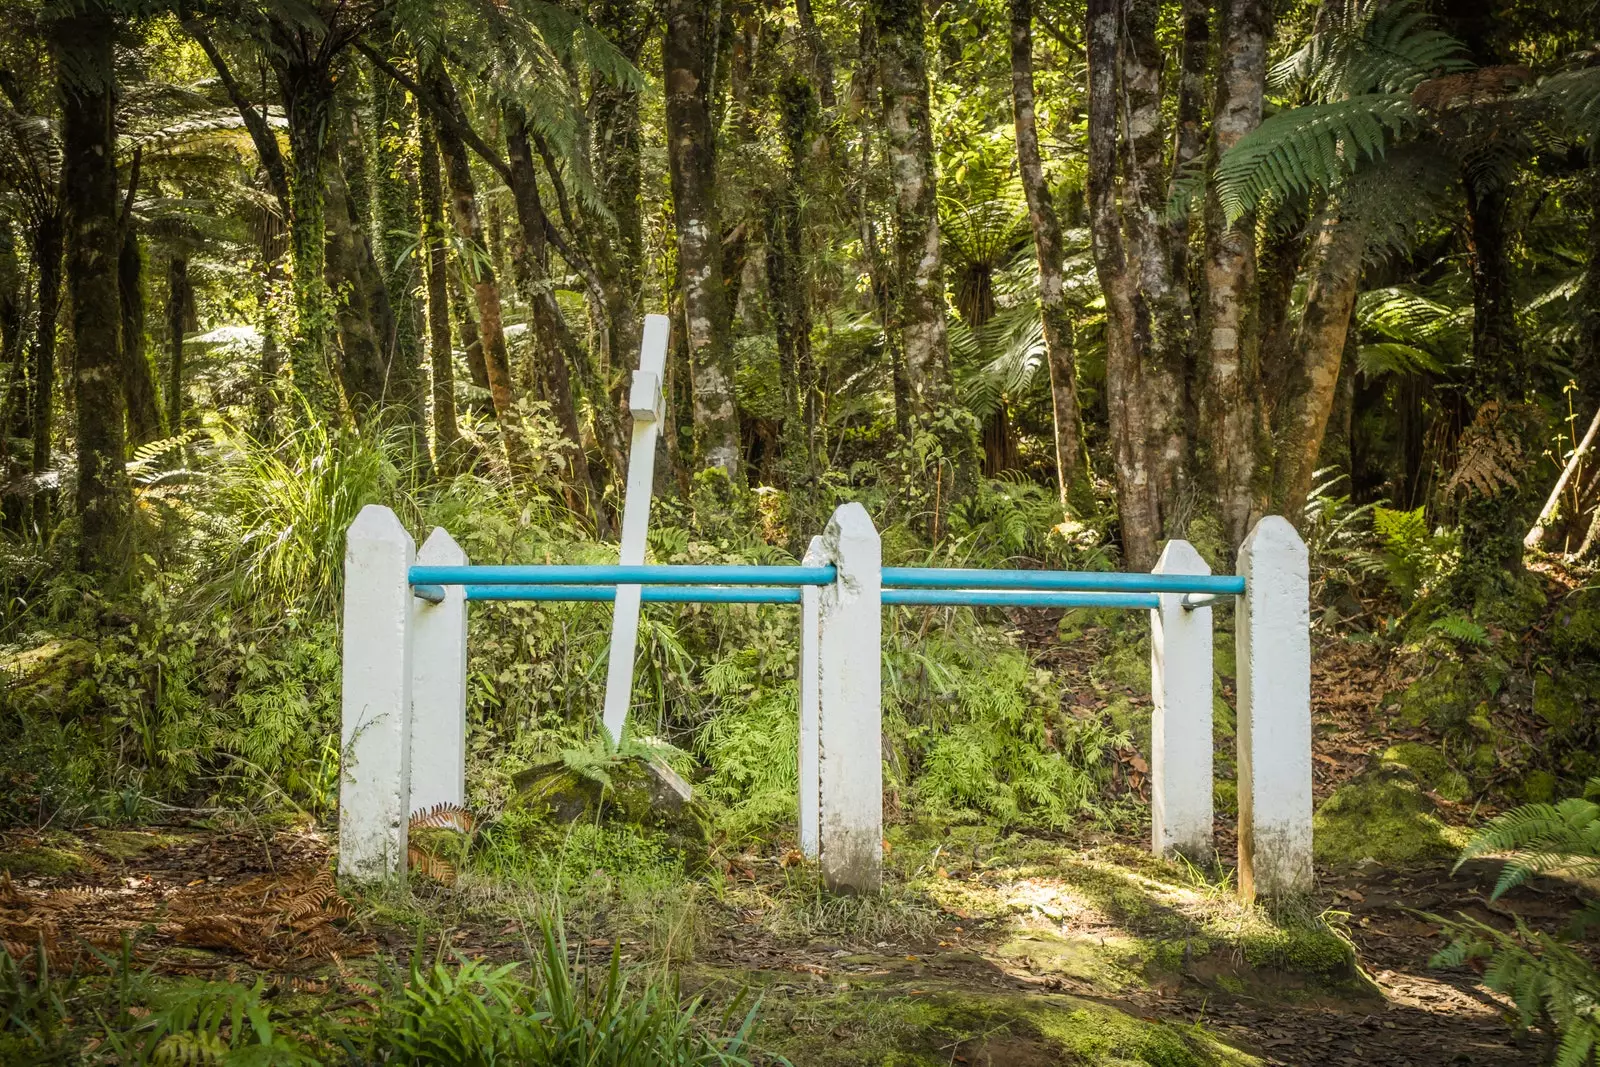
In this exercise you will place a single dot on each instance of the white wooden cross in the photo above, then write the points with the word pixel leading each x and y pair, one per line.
pixel 644 400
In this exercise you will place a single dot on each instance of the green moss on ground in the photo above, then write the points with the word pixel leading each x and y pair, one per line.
pixel 938 1025
pixel 127 845
pixel 42 861
pixel 1431 767
pixel 1382 815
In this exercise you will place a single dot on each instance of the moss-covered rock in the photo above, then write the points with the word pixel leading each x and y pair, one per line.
pixel 628 789
pixel 1538 787
pixel 1431 768
pixel 1382 815
pixel 1558 700
pixel 53 677
pixel 42 861
pixel 936 1024
pixel 1445 696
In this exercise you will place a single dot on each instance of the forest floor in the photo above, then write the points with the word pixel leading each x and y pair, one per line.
pixel 988 947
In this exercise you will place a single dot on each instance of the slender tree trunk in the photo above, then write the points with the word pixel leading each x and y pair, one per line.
pixel 1149 320
pixel 1053 311
pixel 435 249
pixel 531 263
pixel 1317 348
pixel 306 90
pixel 1496 389
pixel 83 43
pixel 689 56
pixel 48 244
pixel 1230 348
pixel 138 375
pixel 471 340
pixel 485 288
pixel 180 301
pixel 362 314
pixel 791 312
pixel 619 175
pixel 14 399
pixel 395 226
pixel 918 309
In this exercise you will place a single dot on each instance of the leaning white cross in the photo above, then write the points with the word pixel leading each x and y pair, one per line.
pixel 644 400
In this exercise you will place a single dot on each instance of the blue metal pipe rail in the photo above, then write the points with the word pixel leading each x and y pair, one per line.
pixel 911 586
pixel 602 574
pixel 1064 581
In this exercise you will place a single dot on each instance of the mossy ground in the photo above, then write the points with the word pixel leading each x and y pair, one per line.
pixel 1382 815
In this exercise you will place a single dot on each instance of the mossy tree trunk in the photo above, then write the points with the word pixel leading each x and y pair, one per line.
pixel 48 245
pixel 917 316
pixel 180 314
pixel 1150 325
pixel 469 228
pixel 305 87
pixel 395 226
pixel 1055 315
pixel 689 56
pixel 435 253
pixel 362 315
pixel 619 174
pixel 1230 411
pixel 83 46
pixel 138 375
pixel 791 311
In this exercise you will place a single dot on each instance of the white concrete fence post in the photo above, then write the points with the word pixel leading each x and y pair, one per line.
pixel 439 685
pixel 1180 732
pixel 375 746
pixel 810 705
pixel 1274 668
pixel 850 723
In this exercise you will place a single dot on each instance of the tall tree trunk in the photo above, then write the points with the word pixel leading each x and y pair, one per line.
pixel 180 304
pixel 471 340
pixel 48 242
pixel 83 44
pixel 306 89
pixel 1056 317
pixel 791 312
pixel 1317 349
pixel 138 375
pixel 1230 349
pixel 435 249
pixel 395 227
pixel 619 175
pixel 485 288
pixel 918 309
pixel 361 305
pixel 1149 320
pixel 689 56
pixel 14 399
pixel 531 263
pixel 1497 384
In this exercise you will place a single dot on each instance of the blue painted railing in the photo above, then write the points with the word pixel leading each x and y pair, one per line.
pixel 929 586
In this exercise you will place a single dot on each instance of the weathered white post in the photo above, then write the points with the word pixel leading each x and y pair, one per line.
pixel 1274 654
pixel 1180 731
pixel 810 701
pixel 375 747
pixel 850 723
pixel 644 400
pixel 439 684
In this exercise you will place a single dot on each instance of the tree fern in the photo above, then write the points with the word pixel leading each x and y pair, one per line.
pixel 1308 149
pixel 1364 46
pixel 1542 839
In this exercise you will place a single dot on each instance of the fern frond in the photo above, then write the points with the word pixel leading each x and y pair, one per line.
pixel 1308 149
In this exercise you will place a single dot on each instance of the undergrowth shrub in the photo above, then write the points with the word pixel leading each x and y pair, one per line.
pixel 1553 984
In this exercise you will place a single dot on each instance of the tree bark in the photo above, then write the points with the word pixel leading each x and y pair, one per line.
pixel 138 376
pixel 791 312
pixel 362 313
pixel 306 89
pixel 396 226
pixel 689 55
pixel 1230 350
pixel 180 303
pixel 1149 320
pixel 918 307
pixel 619 176
pixel 14 398
pixel 1055 316
pixel 485 290
pixel 83 43
pixel 1317 349
pixel 435 249
pixel 48 240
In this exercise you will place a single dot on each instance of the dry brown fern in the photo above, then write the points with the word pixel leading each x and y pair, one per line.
pixel 443 817
pixel 1490 453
